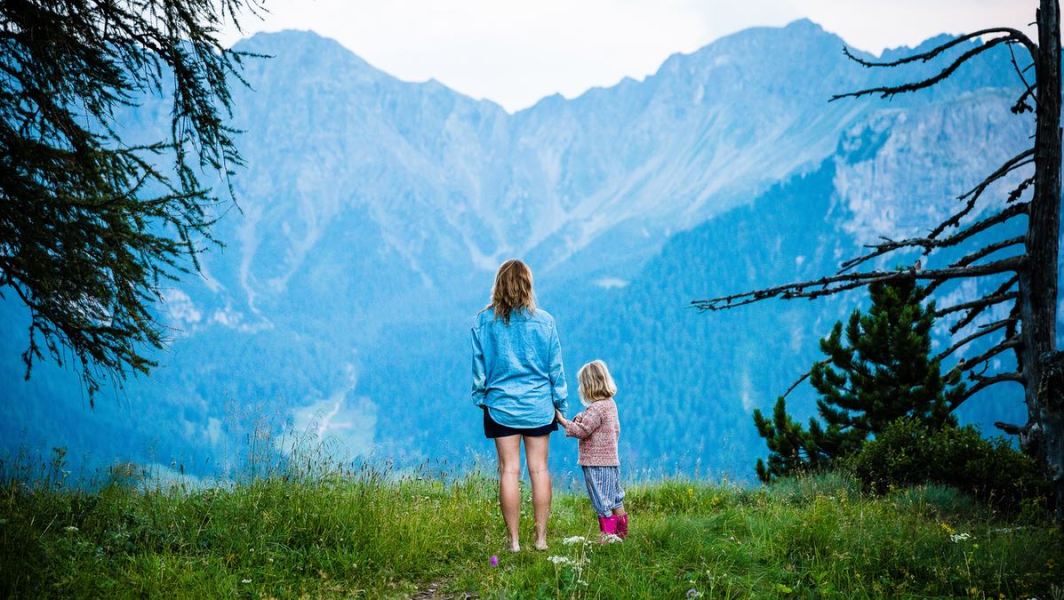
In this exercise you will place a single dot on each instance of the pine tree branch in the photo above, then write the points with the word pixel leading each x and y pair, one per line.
pixel 838 283
pixel 889 91
pixel 804 377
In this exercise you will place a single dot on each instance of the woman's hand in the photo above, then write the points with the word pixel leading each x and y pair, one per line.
pixel 561 418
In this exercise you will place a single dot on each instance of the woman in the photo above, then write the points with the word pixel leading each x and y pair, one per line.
pixel 519 383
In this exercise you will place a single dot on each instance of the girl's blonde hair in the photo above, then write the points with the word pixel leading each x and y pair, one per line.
pixel 512 290
pixel 596 383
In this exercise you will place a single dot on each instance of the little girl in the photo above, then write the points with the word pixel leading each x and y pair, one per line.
pixel 598 428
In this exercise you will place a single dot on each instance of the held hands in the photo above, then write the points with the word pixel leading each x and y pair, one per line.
pixel 561 417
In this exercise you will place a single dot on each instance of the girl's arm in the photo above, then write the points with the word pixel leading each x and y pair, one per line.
pixel 585 426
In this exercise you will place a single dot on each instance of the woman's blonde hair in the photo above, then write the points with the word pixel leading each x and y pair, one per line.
pixel 512 290
pixel 596 383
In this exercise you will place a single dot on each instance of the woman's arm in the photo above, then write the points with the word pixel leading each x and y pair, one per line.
pixel 559 390
pixel 480 385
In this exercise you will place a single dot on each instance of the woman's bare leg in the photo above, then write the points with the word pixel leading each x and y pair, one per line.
pixel 509 452
pixel 536 449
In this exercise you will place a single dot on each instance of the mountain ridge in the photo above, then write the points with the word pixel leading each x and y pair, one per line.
pixel 374 211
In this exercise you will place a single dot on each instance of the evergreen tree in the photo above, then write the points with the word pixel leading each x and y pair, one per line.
pixel 90 222
pixel 881 372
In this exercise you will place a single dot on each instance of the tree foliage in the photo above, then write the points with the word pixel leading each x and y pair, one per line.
pixel 90 223
pixel 882 371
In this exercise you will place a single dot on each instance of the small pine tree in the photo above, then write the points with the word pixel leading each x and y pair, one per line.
pixel 882 372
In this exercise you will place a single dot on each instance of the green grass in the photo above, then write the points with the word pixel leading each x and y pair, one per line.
pixel 368 535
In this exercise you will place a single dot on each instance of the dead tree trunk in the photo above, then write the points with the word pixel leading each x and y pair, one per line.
pixel 1044 435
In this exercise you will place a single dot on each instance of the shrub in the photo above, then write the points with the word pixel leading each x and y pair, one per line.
pixel 909 453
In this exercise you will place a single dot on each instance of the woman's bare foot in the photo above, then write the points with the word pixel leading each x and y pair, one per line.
pixel 515 546
pixel 541 544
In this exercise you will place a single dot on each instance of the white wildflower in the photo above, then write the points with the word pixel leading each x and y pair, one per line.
pixel 693 593
pixel 960 537
pixel 610 538
pixel 70 529
pixel 245 581
pixel 561 560
pixel 576 539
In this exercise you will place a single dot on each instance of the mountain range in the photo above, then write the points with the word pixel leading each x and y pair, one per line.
pixel 372 212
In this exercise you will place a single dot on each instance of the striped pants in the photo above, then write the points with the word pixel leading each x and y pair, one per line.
pixel 604 489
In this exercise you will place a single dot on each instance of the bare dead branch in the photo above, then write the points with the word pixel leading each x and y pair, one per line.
pixel 969 364
pixel 972 196
pixel 1021 105
pixel 930 243
pixel 889 91
pixel 983 331
pixel 1017 191
pixel 984 382
pixel 976 310
pixel 1010 33
pixel 982 302
pixel 838 283
pixel 1010 429
pixel 987 251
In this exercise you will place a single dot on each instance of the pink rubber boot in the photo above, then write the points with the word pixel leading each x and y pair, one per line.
pixel 622 525
pixel 608 525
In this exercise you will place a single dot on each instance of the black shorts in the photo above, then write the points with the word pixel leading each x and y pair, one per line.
pixel 494 430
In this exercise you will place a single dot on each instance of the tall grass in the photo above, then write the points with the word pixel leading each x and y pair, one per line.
pixel 372 533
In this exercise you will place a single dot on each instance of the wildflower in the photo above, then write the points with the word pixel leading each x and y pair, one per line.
pixel 576 539
pixel 693 593
pixel 610 538
pixel 494 560
pixel 245 581
pixel 960 537
pixel 560 560
pixel 70 529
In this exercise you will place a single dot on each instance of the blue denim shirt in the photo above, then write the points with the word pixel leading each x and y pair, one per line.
pixel 517 368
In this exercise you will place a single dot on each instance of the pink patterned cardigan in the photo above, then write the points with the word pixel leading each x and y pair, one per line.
pixel 598 429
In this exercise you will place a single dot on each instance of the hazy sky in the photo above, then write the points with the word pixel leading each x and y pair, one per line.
pixel 518 52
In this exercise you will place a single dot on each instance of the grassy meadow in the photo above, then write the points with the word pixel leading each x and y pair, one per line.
pixel 368 534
